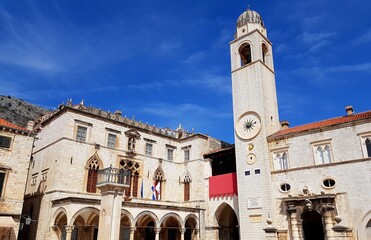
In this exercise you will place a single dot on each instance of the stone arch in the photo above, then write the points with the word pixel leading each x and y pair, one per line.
pixel 191 227
pixel 364 227
pixel 147 224
pixel 175 216
pixel 59 223
pixel 171 226
pixel 159 174
pixel 159 183
pixel 126 224
pixel 82 212
pixel 227 221
pixel 85 222
pixel 245 52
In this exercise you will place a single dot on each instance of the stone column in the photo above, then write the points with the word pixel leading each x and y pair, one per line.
pixel 157 231
pixel 294 222
pixel 69 229
pixel 182 232
pixel 197 233
pixel 110 213
pixel 327 215
pixel 132 232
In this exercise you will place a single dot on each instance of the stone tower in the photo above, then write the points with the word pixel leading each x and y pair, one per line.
pixel 255 114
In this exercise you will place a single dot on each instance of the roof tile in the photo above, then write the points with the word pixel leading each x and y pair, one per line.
pixel 4 123
pixel 322 124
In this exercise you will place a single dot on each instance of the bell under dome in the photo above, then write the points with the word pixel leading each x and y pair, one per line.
pixel 249 16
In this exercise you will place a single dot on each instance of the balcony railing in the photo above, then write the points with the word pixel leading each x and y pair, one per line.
pixel 223 185
pixel 114 176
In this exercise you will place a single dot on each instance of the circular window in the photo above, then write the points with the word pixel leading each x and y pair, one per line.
pixel 285 187
pixel 329 183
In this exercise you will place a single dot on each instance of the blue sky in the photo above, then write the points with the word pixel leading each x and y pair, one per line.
pixel 167 62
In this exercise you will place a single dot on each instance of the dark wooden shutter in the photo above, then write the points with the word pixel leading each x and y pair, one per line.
pixel 186 191
pixel 92 181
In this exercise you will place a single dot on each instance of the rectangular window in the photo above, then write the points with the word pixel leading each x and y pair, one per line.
pixel 5 141
pixel 186 154
pixel 366 144
pixel 81 133
pixel 111 140
pixel 170 154
pixel 149 147
pixel 2 183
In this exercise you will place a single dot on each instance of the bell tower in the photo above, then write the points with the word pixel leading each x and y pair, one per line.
pixel 255 113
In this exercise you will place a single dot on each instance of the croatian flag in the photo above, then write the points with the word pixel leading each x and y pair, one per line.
pixel 156 190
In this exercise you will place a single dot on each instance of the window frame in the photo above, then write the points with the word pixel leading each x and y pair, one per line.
pixel 4 182
pixel 149 149
pixel 169 148
pixel 10 142
pixel 82 124
pixel 323 144
pixel 363 137
pixel 77 137
pixel 281 151
pixel 328 179
pixel 109 142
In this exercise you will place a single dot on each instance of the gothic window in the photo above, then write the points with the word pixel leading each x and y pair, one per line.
pixel 281 161
pixel 323 154
pixel 158 185
pixel 93 168
pixel 81 133
pixel 245 54
pixel 368 146
pixel 111 140
pixel 5 141
pixel 187 193
pixel 134 168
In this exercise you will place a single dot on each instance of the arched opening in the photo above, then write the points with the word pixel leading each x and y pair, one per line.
pixel 368 230
pixel 145 226
pixel 265 53
pixel 85 223
pixel 228 223
pixel 312 225
pixel 245 54
pixel 59 226
pixel 191 229
pixel 93 165
pixel 125 224
pixel 187 190
pixel 170 229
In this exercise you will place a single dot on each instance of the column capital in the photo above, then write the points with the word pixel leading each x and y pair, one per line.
pixel 291 208
pixel 182 230
pixel 69 228
pixel 132 229
pixel 157 230
pixel 327 207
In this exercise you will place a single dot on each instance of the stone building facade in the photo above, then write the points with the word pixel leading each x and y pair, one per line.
pixel 305 182
pixel 167 196
pixel 15 153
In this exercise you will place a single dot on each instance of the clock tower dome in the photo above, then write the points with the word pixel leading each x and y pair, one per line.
pixel 255 114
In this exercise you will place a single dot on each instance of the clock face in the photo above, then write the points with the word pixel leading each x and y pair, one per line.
pixel 248 125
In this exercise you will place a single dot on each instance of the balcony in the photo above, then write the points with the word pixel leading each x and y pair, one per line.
pixel 113 176
pixel 223 185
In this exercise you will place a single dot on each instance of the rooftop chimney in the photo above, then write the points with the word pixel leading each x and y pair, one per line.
pixel 30 125
pixel 285 124
pixel 349 110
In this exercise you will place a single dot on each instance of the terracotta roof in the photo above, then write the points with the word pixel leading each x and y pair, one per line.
pixel 4 123
pixel 322 124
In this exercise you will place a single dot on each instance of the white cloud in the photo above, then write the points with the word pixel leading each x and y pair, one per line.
pixel 365 38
